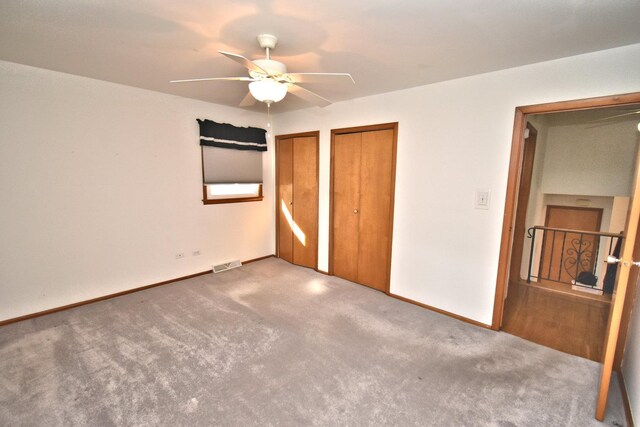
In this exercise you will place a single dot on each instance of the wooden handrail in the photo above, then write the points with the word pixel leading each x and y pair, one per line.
pixel 590 233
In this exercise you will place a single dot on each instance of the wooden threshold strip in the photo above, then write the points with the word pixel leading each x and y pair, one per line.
pixel 114 295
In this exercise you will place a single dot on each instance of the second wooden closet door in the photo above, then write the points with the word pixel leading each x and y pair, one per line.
pixel 298 200
pixel 362 196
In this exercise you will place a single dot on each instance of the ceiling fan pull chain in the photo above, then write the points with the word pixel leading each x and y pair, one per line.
pixel 268 120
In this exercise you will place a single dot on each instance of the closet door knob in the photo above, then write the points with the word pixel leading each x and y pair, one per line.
pixel 355 211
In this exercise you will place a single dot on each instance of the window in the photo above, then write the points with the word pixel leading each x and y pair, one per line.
pixel 231 162
pixel 231 176
pixel 221 191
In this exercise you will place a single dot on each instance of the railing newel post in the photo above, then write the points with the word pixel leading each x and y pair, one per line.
pixel 533 239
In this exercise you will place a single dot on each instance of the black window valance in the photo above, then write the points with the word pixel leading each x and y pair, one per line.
pixel 224 135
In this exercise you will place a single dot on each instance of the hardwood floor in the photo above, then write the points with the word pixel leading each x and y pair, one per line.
pixel 569 323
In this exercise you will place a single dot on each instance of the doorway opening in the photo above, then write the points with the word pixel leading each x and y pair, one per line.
pixel 574 194
pixel 572 200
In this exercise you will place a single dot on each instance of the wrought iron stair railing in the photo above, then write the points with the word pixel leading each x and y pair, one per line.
pixel 570 256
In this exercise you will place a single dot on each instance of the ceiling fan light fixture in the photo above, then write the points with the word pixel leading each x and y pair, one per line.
pixel 268 90
pixel 270 80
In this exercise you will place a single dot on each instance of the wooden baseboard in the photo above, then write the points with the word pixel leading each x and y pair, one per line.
pixel 257 259
pixel 428 307
pixel 625 399
pixel 437 310
pixel 114 295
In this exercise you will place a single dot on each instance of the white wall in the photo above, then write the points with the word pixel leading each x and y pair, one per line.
pixel 583 159
pixel 455 137
pixel 101 187
pixel 631 362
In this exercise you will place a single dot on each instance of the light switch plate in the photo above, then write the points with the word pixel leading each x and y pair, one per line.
pixel 483 199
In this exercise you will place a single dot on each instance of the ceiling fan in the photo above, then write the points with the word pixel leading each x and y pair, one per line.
pixel 611 119
pixel 269 80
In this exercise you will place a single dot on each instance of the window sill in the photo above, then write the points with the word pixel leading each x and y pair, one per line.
pixel 232 200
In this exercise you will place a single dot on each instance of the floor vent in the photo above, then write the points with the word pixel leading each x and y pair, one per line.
pixel 226 266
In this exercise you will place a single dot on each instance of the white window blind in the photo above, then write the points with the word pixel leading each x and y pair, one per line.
pixel 225 166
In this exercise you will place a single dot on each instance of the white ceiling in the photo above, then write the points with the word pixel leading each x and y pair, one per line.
pixel 386 45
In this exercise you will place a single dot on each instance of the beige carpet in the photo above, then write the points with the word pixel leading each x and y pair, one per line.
pixel 275 344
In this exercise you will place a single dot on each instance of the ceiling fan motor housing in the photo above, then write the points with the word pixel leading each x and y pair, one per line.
pixel 267 41
pixel 274 68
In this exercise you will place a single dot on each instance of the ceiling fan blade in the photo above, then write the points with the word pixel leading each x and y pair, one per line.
pixel 315 77
pixel 241 79
pixel 248 100
pixel 616 116
pixel 625 114
pixel 243 61
pixel 599 125
pixel 308 96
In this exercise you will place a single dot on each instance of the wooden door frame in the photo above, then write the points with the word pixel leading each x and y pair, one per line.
pixel 524 185
pixel 515 166
pixel 358 129
pixel 315 134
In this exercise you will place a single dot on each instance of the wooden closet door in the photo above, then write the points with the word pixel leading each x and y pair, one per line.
pixel 305 201
pixel 285 199
pixel 376 171
pixel 346 204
